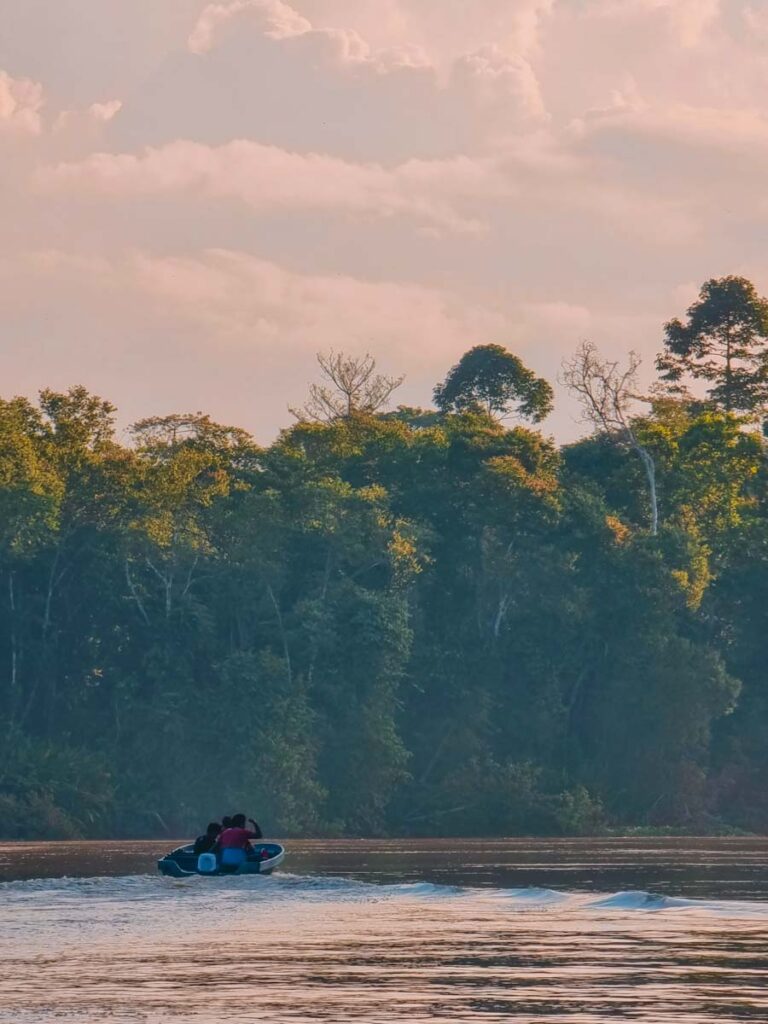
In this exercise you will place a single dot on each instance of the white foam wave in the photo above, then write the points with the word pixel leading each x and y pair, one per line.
pixel 323 888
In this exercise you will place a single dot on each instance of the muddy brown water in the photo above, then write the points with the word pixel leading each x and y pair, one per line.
pixel 576 931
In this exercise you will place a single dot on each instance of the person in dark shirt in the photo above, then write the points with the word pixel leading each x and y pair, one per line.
pixel 206 843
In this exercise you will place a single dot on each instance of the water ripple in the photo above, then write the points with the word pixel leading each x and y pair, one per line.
pixel 141 949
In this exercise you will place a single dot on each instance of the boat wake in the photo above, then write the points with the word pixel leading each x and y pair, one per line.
pixel 287 887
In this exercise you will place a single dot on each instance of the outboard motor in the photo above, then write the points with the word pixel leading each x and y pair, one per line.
pixel 207 863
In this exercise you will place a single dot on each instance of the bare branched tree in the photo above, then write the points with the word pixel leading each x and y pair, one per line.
pixel 607 393
pixel 352 385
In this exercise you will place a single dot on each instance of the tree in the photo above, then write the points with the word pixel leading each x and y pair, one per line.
pixel 77 419
pixel 711 474
pixel 161 438
pixel 491 378
pixel 353 387
pixel 606 393
pixel 365 609
pixel 722 342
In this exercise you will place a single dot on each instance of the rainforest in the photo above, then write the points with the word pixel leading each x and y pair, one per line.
pixel 395 620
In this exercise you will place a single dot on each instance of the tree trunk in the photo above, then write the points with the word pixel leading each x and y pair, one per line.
pixel 14 649
pixel 650 472
pixel 323 594
pixel 135 593
pixel 283 636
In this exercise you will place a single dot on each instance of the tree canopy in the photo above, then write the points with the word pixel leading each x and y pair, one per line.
pixel 489 377
pixel 723 342
pixel 410 622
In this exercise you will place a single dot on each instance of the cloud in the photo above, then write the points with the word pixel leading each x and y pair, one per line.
pixel 268 178
pixel 693 19
pixel 687 21
pixel 274 18
pixel 86 122
pixel 721 129
pixel 105 111
pixel 409 176
pixel 21 105
pixel 234 300
pixel 220 329
pixel 236 335
pixel 243 297
pixel 499 83
pixel 277 21
pixel 444 29
pixel 756 20
pixel 21 101
pixel 492 74
pixel 269 72
pixel 710 159
pixel 465 196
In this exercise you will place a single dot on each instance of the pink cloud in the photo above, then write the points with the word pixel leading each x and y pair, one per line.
pixel 274 18
pixel 21 101
pixel 687 20
pixel 444 29
pixel 222 330
pixel 723 129
pixel 409 176
pixel 499 83
pixel 446 196
pixel 236 335
pixel 105 111
pixel 267 177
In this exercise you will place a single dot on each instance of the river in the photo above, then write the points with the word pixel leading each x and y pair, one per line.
pixel 576 931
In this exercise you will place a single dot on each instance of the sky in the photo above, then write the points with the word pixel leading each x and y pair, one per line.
pixel 196 198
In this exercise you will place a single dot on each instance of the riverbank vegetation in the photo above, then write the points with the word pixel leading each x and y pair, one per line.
pixel 419 621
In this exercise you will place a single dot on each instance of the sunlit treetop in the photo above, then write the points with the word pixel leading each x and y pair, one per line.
pixel 490 378
pixel 724 341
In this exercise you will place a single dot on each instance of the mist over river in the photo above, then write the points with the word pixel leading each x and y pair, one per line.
pixel 371 931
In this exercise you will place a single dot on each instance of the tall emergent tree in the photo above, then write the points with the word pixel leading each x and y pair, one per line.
pixel 489 377
pixel 352 385
pixel 607 392
pixel 725 342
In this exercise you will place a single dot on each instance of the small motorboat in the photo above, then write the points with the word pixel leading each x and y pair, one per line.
pixel 183 861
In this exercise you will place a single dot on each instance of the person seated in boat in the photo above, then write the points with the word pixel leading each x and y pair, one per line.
pixel 234 843
pixel 207 842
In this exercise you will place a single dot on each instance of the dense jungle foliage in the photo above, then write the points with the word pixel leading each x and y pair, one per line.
pixel 411 622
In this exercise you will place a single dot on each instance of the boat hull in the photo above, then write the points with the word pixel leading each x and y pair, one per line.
pixel 182 862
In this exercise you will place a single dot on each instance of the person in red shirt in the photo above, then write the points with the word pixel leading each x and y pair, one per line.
pixel 234 842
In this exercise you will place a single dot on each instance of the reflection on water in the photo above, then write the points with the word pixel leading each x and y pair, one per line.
pixel 576 931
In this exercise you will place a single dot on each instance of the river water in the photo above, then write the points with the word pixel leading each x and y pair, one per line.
pixel 562 931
